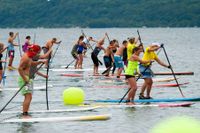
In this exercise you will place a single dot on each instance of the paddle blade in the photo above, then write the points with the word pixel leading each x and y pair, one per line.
pixel 107 70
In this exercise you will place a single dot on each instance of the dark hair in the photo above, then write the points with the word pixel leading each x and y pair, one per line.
pixel 136 49
pixel 54 39
pixel 124 42
pixel 11 33
pixel 114 40
pixel 111 42
pixel 81 37
pixel 28 37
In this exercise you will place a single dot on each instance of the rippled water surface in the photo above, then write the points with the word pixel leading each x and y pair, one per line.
pixel 181 44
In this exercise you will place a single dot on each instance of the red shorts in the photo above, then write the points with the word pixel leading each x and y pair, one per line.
pixel 11 54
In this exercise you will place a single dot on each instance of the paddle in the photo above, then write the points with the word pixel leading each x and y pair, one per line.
pixel 47 101
pixel 20 51
pixel 69 64
pixel 162 45
pixel 108 37
pixel 4 68
pixel 107 70
pixel 17 92
pixel 90 46
pixel 140 40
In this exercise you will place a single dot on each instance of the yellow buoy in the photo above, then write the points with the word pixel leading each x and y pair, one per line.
pixel 179 124
pixel 73 96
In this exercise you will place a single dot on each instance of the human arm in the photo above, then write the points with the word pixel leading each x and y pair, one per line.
pixel 42 75
pixel 3 49
pixel 162 63
pixel 35 63
pixel 58 42
pixel 137 58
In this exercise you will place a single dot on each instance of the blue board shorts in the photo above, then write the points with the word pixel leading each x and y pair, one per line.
pixel 145 71
pixel 118 61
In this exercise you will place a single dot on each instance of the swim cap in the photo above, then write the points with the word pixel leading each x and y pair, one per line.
pixel 33 50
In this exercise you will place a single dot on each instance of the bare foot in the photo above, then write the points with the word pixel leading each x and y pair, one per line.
pixel 130 103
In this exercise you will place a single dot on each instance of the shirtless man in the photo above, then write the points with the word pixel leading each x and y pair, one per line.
pixel 11 50
pixel 48 46
pixel 24 80
pixel 108 57
pixel 118 58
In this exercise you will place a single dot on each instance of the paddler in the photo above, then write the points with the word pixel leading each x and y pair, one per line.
pixel 94 54
pixel 24 71
pixel 145 69
pixel 48 46
pixel 26 44
pixel 132 43
pixel 109 57
pixel 2 49
pixel 74 54
pixel 118 58
pixel 131 71
pixel 80 49
pixel 114 50
pixel 11 50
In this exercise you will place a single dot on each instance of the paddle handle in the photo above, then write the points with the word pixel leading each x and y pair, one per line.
pixel 172 71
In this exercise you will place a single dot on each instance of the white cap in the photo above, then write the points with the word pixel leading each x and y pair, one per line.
pixel 86 41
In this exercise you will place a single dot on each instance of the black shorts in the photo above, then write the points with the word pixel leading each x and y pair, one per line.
pixel 95 59
pixel 79 52
pixel 1 67
pixel 129 76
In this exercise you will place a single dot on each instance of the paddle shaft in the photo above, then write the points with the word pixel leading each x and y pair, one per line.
pixel 173 72
pixel 108 37
pixel 55 53
pixel 69 64
pixel 140 40
pixel 20 51
pixel 47 101
pixel 4 68
pixel 12 98
pixel 17 92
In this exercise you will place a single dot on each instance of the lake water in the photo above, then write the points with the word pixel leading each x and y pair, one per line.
pixel 181 44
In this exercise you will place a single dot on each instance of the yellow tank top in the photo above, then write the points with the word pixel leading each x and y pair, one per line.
pixel 130 48
pixel 132 68
pixel 149 56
